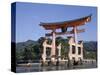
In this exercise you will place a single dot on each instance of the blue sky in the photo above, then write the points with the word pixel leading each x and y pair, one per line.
pixel 29 16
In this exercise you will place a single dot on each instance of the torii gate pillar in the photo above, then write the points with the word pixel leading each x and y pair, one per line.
pixel 53 46
pixel 75 39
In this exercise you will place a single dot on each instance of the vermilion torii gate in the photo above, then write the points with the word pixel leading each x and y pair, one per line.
pixel 64 26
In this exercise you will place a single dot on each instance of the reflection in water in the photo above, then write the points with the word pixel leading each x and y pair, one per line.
pixel 37 67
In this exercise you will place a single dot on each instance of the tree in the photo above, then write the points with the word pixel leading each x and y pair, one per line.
pixel 28 53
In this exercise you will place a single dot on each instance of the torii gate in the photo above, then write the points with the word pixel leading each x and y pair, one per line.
pixel 63 26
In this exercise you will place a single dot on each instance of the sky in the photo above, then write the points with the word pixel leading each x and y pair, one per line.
pixel 29 16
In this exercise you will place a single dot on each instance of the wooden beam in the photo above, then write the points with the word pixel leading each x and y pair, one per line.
pixel 64 33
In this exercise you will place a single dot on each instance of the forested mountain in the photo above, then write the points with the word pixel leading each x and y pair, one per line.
pixel 90 45
pixel 31 50
pixel 22 45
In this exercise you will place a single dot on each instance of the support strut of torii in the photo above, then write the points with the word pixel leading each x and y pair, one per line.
pixel 45 45
pixel 63 26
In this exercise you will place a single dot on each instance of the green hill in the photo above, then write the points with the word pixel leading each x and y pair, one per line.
pixel 31 50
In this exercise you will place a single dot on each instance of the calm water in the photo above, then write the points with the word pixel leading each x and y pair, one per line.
pixel 37 68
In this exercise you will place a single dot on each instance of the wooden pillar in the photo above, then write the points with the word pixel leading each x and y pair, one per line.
pixel 44 51
pixel 75 39
pixel 59 48
pixel 75 35
pixel 53 45
pixel 82 50
pixel 59 51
